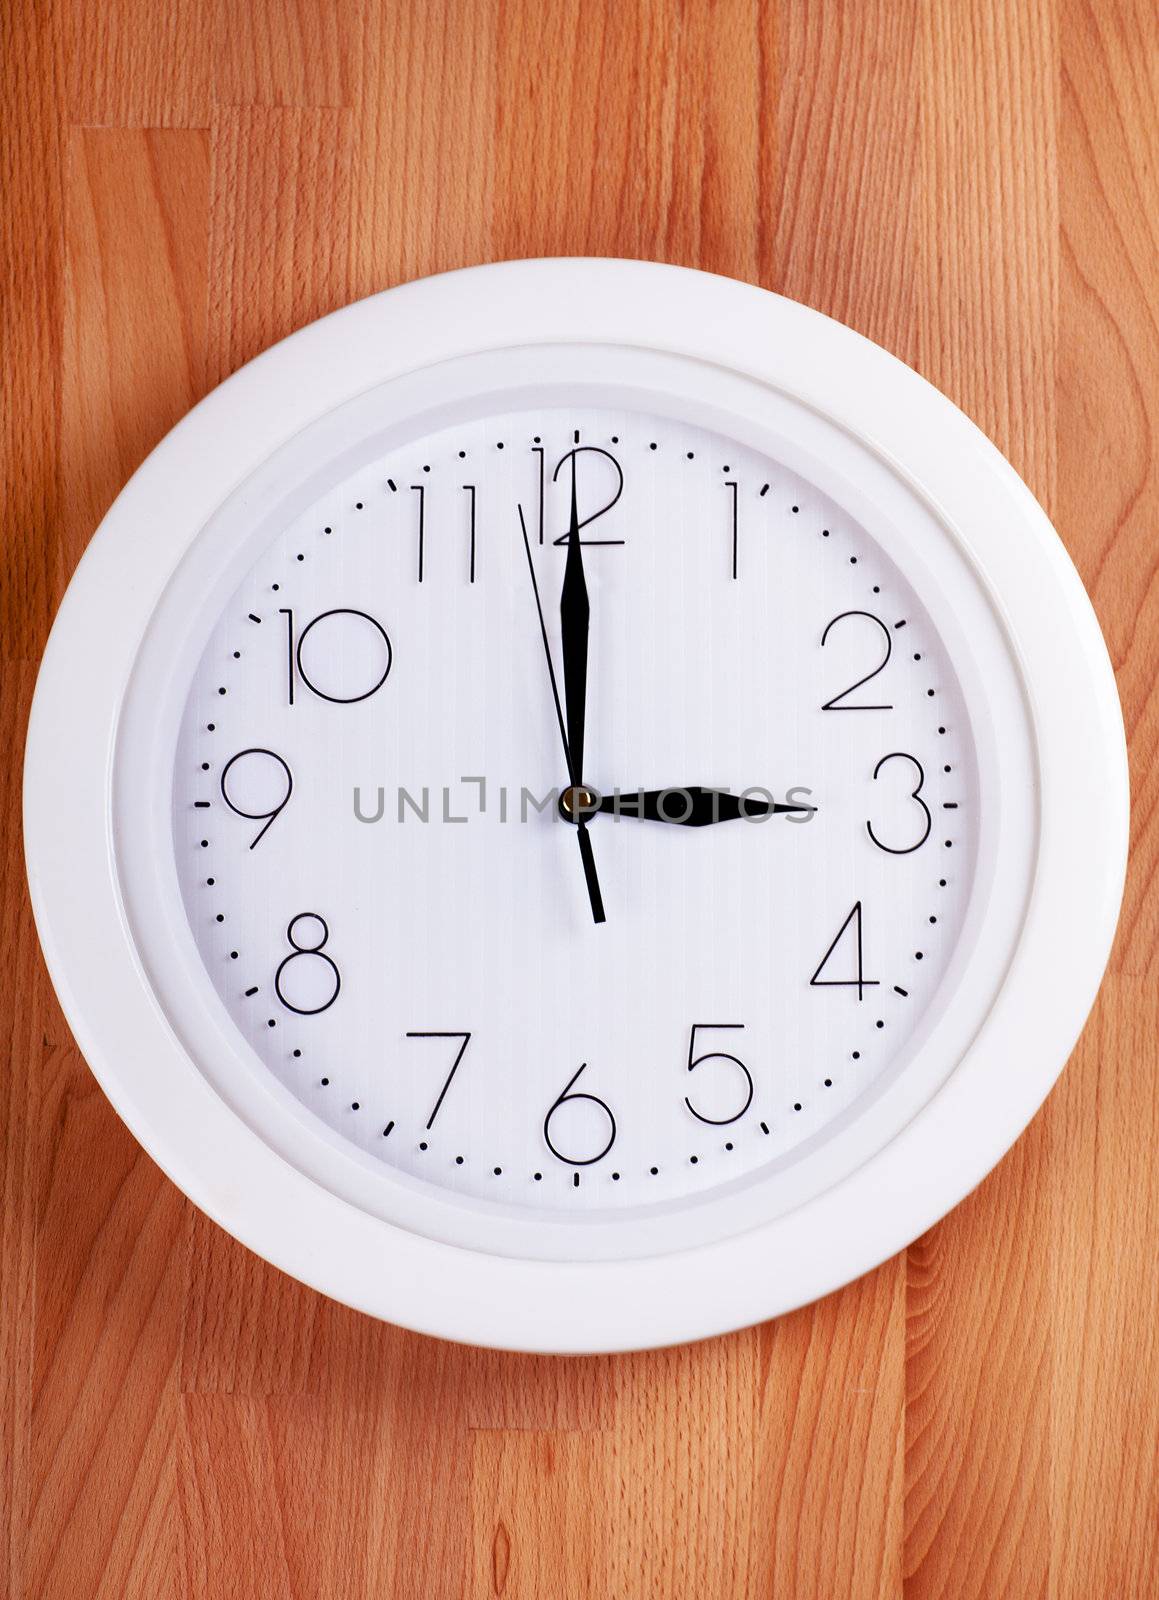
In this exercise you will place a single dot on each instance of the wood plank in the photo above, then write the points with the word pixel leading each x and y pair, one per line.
pixel 31 232
pixel 635 133
pixel 422 181
pixel 109 1276
pixel 137 63
pixel 285 53
pixel 1104 1117
pixel 133 354
pixel 279 236
pixel 978 1356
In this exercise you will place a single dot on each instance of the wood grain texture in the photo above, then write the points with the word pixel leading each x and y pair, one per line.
pixel 974 183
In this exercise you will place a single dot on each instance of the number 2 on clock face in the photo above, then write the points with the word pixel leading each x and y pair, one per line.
pixel 407 924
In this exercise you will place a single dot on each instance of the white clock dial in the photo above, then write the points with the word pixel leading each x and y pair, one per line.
pixel 392 906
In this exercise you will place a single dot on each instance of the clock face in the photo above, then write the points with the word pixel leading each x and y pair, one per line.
pixel 401 919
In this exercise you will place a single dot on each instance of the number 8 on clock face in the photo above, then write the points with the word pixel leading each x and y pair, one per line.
pixel 577 804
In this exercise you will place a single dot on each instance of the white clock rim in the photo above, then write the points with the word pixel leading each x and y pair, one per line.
pixel 437 1288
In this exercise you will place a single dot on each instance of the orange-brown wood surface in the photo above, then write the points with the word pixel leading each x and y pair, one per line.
pixel 974 183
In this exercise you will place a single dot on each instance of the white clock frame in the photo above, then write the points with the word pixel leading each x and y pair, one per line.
pixel 323 1234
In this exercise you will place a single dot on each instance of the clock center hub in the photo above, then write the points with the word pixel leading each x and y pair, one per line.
pixel 576 802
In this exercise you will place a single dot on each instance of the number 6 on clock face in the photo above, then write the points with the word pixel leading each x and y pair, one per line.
pixel 576 804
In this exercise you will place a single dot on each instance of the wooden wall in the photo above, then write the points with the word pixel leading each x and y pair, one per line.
pixel 974 183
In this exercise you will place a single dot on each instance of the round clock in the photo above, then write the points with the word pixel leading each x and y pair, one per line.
pixel 576 805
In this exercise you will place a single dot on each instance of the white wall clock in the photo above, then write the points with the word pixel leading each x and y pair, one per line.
pixel 576 805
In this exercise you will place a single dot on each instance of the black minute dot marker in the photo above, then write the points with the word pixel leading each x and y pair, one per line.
pixel 729 1145
pixel 538 1176
pixel 325 1083
pixel 358 505
pixel 796 1105
pixel 653 1170
pixel 879 1024
pixel 458 1161
pixel 462 455
pixel 354 1105
pixel 422 1144
pixel 655 447
pixel 693 1160
pixel 828 1083
pixel 852 561
pixel 296 1054
pixel 233 955
pixel 857 1055
pixel 795 510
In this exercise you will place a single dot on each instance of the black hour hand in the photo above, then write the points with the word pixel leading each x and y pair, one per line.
pixel 693 806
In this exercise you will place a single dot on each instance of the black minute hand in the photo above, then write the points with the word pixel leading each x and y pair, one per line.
pixel 587 858
pixel 692 806
pixel 574 617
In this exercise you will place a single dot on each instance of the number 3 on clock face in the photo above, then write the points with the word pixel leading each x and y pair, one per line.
pixel 577 807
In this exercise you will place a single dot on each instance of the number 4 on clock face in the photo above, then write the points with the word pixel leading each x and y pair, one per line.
pixel 847 947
